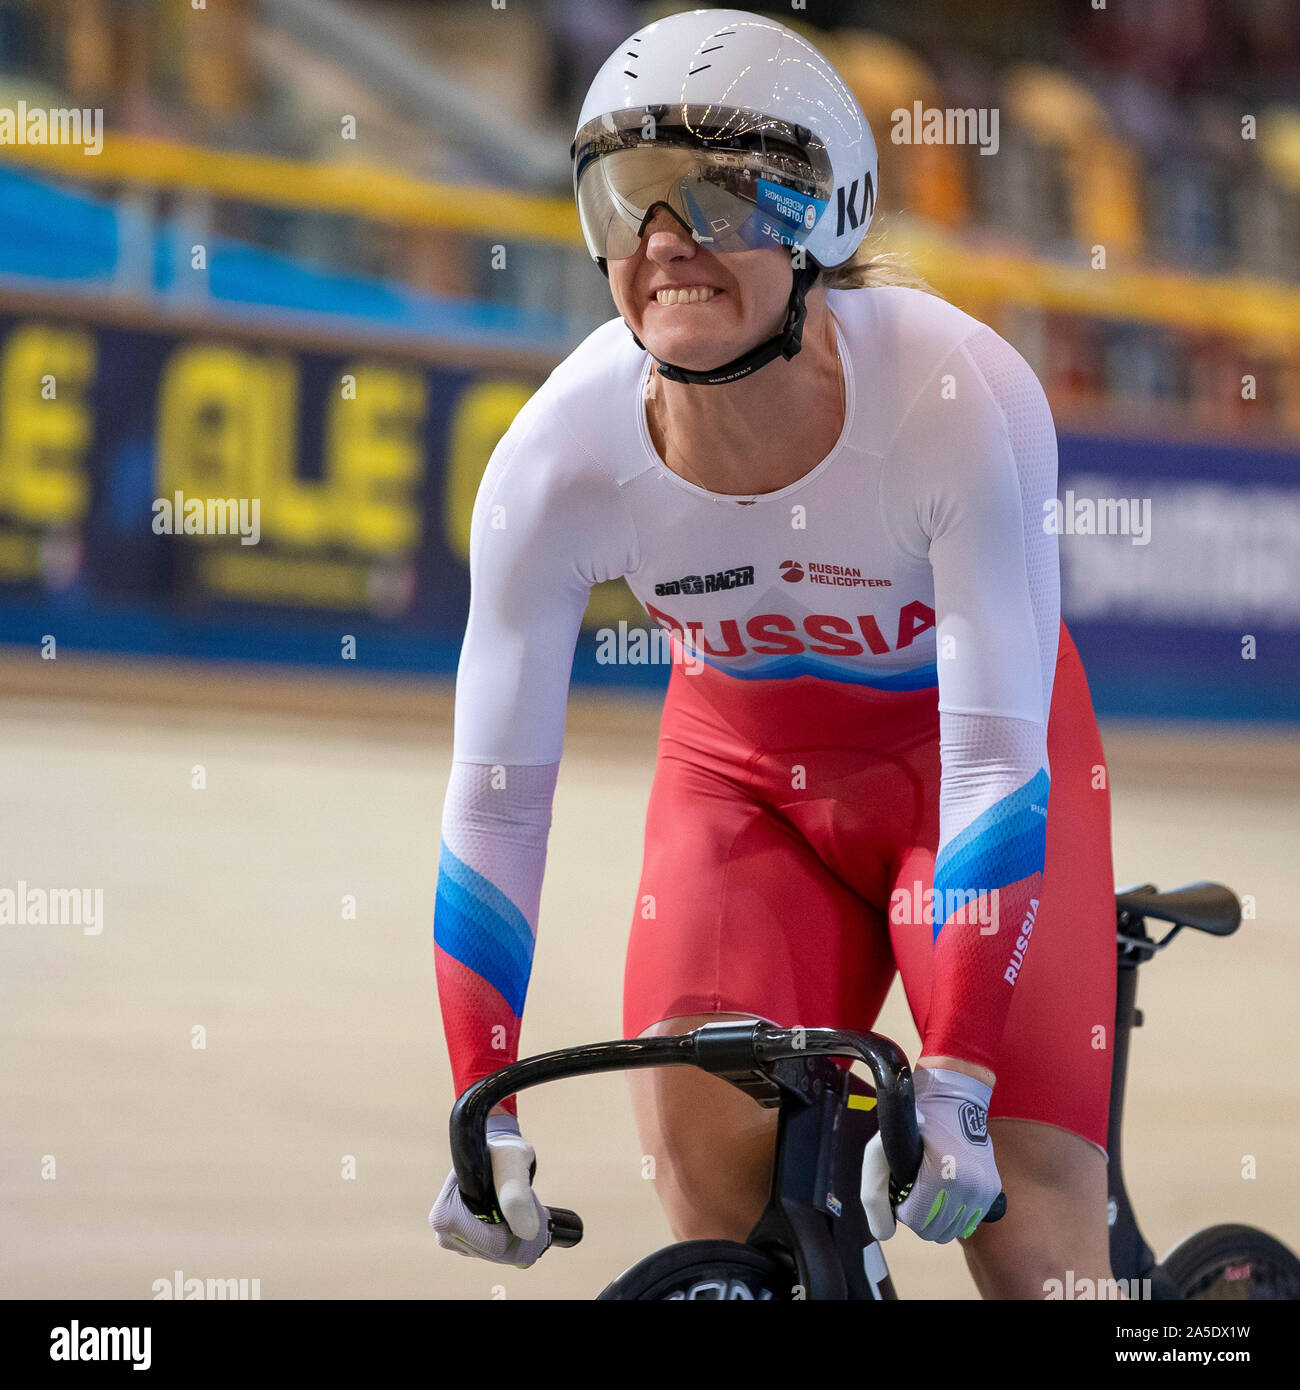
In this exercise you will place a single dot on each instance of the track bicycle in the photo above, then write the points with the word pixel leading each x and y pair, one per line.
pixel 812 1240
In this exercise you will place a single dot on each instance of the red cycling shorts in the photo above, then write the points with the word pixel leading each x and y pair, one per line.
pixel 766 890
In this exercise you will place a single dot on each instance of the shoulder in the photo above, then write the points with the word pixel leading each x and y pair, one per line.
pixel 582 419
pixel 906 338
pixel 558 470
pixel 606 359
pixel 911 328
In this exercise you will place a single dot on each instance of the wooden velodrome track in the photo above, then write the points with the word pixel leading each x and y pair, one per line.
pixel 222 909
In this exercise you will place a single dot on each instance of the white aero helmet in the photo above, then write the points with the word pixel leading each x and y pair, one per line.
pixel 745 133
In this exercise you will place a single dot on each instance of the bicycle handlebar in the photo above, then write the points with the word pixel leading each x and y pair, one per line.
pixel 739 1049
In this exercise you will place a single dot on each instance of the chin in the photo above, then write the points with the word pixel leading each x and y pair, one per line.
pixel 691 353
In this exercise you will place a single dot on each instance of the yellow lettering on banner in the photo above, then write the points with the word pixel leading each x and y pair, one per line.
pixel 43 441
pixel 20 556
pixel 299 579
pixel 374 459
pixel 228 427
pixel 215 423
pixel 484 413
pixel 296 511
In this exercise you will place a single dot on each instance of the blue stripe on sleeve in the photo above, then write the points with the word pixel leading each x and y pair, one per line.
pixel 474 922
pixel 1002 845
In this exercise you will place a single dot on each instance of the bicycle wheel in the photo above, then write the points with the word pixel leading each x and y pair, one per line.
pixel 1233 1262
pixel 703 1270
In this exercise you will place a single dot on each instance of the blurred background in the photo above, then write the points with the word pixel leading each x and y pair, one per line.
pixel 324 252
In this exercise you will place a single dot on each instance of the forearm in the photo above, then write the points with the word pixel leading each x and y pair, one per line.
pixel 988 883
pixel 495 825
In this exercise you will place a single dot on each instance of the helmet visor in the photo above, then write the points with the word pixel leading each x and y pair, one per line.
pixel 734 179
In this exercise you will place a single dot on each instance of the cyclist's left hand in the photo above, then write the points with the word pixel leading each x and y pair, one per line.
pixel 958 1181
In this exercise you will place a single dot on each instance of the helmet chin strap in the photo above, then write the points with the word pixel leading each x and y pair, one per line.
pixel 785 344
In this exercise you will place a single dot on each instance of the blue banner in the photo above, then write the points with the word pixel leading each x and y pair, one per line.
pixel 1180 576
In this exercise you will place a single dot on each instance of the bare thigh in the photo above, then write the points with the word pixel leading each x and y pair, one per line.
pixel 1056 1213
pixel 711 1145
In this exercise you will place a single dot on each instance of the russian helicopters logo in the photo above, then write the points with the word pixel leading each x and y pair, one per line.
pixel 974 1122
pixel 838 576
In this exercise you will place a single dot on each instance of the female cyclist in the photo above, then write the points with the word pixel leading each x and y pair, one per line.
pixel 831 493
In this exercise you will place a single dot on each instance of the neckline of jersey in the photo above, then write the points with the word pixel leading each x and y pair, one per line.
pixel 750 498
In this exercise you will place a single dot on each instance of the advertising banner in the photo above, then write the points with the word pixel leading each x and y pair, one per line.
pixel 205 494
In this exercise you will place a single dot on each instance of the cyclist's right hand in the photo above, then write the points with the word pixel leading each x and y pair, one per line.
pixel 522 1238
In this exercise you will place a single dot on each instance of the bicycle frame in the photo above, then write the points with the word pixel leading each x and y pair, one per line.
pixel 814 1223
pixel 1130 1255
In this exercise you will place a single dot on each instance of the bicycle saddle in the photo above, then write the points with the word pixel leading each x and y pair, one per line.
pixel 1209 907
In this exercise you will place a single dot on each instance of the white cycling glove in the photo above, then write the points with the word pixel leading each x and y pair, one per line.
pixel 958 1181
pixel 525 1234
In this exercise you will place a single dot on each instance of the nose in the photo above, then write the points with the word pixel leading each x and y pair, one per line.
pixel 665 239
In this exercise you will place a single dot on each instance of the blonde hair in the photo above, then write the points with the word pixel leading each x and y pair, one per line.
pixel 872 267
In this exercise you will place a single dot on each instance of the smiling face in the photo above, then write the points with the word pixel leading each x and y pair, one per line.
pixel 696 309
